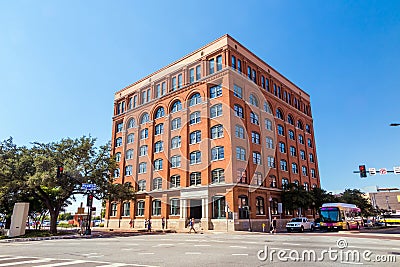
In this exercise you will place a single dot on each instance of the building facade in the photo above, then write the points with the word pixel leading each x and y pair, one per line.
pixel 214 136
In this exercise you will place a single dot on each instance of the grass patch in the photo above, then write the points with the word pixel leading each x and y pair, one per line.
pixel 29 233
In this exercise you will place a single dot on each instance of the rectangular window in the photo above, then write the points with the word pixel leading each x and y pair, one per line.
pixel 240 153
pixel 135 101
pixel 219 63
pixel 126 209
pixel 216 111
pixel 255 138
pixel 198 73
pixel 195 137
pixel 158 90
pixel 195 178
pixel 191 75
pixel 175 161
pixel 239 132
pixel 254 76
pixel 215 91
pixel 173 83
pixel 195 157
pixel 176 124
pixel 219 207
pixel 267 84
pixel 217 153
pixel 163 88
pixel 237 91
pixel 142 167
pixel 249 72
pixel 233 62
pixel 175 207
pixel 238 111
pixel 211 66
pixel 271 162
pixel 179 80
pixel 144 97
pixel 119 127
pixel 256 158
pixel 140 208
pixel 239 63
pixel 262 82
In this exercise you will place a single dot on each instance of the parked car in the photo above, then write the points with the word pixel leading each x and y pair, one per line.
pixel 300 224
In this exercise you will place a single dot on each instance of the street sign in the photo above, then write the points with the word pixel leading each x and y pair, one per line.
pixel 382 171
pixel 396 170
pixel 372 171
pixel 89 186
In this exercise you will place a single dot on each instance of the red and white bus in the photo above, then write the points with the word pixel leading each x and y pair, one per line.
pixel 340 216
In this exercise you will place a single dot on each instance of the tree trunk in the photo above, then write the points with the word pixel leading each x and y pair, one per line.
pixel 53 222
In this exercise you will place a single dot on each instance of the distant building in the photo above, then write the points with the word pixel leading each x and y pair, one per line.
pixel 215 134
pixel 386 200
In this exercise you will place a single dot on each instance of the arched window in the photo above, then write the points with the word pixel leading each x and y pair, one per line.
pixel 158 164
pixel 272 179
pixel 268 124
pixel 260 206
pixel 159 113
pixel 274 206
pixel 144 118
pixel 175 181
pixel 299 124
pixel 176 106
pixel 157 183
pixel 308 128
pixel 285 183
pixel 194 99
pixel 195 178
pixel 296 182
pixel 131 138
pixel 129 154
pixel 158 146
pixel 279 114
pixel 294 168
pixel 290 119
pixel 267 108
pixel 118 142
pixel 176 142
pixel 142 185
pixel 253 100
pixel 118 157
pixel 218 176
pixel 306 186
pixel 131 123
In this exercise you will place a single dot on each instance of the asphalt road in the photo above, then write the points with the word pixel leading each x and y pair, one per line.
pixel 213 249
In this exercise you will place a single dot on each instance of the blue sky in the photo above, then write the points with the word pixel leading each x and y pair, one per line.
pixel 62 61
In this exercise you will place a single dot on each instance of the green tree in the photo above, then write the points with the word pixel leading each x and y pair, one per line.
pixel 295 197
pixel 357 197
pixel 31 175
pixel 15 166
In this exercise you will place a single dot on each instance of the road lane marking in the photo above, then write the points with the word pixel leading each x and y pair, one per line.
pixel 24 262
pixel 237 247
pixel 192 253
pixel 146 253
pixel 240 254
pixel 202 245
pixel 63 263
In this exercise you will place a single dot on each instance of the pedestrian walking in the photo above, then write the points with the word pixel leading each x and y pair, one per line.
pixel 149 225
pixel 130 223
pixel 273 226
pixel 163 223
pixel 145 223
pixel 191 225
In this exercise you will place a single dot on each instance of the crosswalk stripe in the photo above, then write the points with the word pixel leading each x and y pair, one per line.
pixel 63 263
pixel 24 262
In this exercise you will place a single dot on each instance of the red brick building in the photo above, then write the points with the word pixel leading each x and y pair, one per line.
pixel 215 134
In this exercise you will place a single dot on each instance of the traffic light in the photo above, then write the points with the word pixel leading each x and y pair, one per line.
pixel 60 170
pixel 89 201
pixel 363 171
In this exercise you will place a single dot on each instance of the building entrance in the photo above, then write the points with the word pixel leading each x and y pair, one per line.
pixel 195 209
